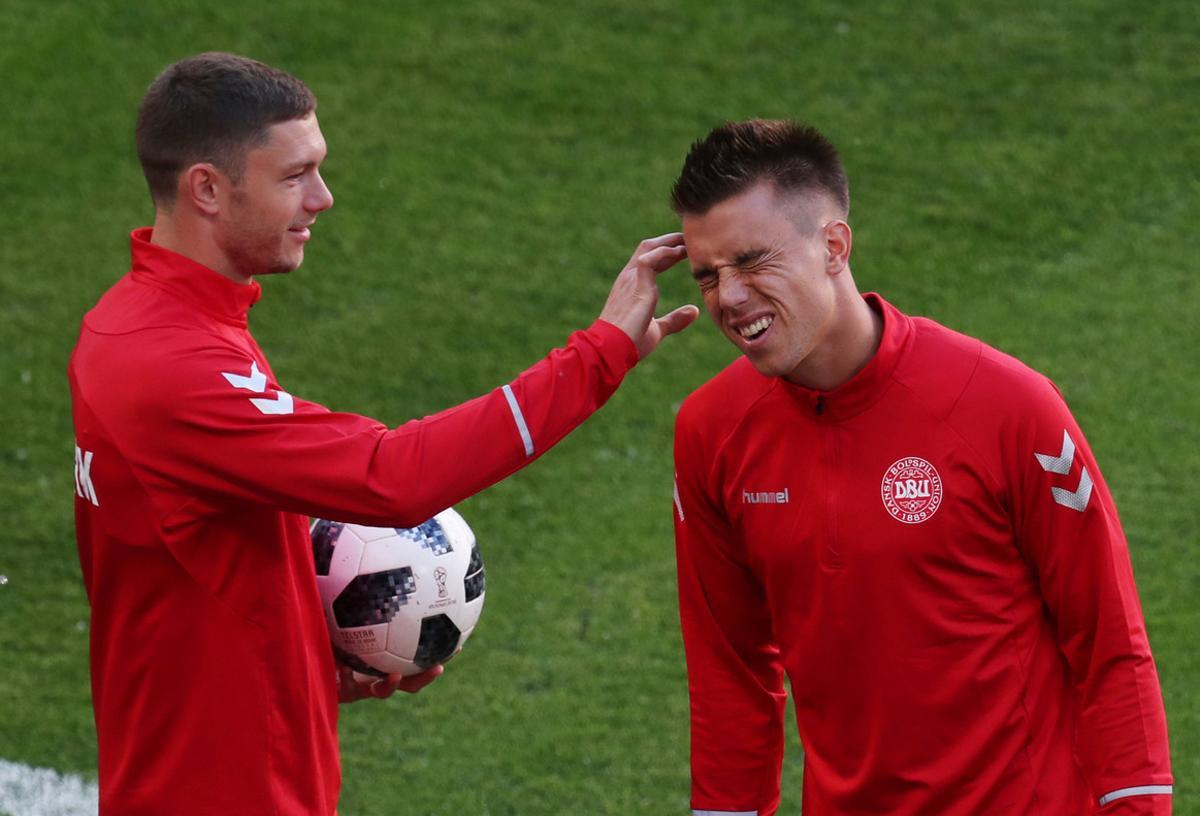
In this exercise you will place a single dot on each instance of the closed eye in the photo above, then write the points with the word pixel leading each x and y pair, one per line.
pixel 753 260
pixel 705 276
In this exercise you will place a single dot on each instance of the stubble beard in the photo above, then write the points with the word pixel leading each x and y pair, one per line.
pixel 262 256
pixel 254 249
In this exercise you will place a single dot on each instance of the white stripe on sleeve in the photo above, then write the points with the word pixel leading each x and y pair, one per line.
pixel 520 419
pixel 724 813
pixel 1140 790
pixel 678 503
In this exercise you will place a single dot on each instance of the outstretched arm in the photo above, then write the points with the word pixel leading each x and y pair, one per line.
pixel 223 427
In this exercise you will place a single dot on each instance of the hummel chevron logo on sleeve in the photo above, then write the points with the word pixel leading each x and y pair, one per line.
pixel 1078 498
pixel 282 403
pixel 1054 464
pixel 256 382
pixel 84 488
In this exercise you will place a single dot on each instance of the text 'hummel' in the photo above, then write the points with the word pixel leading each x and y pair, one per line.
pixel 767 497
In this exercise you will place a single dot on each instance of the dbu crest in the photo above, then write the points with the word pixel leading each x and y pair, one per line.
pixel 911 490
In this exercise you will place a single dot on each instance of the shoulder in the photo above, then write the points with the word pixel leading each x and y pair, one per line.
pixel 1003 384
pixel 713 413
pixel 137 330
pixel 156 367
pixel 130 306
pixel 940 363
pixel 950 370
pixel 988 397
pixel 726 398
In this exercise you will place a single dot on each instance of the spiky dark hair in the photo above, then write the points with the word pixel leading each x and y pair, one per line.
pixel 738 155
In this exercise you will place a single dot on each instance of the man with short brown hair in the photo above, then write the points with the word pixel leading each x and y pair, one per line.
pixel 213 679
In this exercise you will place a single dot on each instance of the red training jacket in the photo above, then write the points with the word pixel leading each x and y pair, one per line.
pixel 931 555
pixel 213 679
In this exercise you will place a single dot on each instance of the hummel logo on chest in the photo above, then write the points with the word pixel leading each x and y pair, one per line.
pixel 765 497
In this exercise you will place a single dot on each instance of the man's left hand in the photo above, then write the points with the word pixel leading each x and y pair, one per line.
pixel 351 689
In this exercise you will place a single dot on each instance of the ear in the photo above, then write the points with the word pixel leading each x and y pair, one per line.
pixel 838 240
pixel 200 184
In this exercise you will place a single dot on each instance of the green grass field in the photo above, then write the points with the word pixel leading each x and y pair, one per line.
pixel 1023 172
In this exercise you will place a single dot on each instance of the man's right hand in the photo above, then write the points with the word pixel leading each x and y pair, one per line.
pixel 630 304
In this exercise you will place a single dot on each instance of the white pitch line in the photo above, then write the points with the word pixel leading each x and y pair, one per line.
pixel 28 791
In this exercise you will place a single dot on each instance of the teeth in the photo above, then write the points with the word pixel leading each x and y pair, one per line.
pixel 757 327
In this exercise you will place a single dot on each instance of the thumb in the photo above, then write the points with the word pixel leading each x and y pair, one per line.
pixel 677 320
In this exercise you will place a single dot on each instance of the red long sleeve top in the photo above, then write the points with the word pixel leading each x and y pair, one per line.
pixel 931 555
pixel 212 675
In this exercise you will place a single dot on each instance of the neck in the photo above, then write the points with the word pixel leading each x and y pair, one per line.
pixel 848 344
pixel 193 240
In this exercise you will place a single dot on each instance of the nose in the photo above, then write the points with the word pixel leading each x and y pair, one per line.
pixel 731 289
pixel 319 198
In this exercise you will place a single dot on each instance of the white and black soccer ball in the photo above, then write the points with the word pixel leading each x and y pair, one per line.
pixel 398 600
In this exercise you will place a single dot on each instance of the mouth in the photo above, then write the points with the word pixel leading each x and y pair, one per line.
pixel 301 233
pixel 754 329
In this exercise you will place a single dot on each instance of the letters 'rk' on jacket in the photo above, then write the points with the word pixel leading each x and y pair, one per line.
pixel 931 555
pixel 212 675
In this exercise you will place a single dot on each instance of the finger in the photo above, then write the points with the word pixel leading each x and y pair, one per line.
pixel 662 258
pixel 385 687
pixel 416 682
pixel 677 320
pixel 350 688
pixel 347 685
pixel 670 239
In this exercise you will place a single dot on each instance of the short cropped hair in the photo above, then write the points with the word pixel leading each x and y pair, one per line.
pixel 212 107
pixel 737 155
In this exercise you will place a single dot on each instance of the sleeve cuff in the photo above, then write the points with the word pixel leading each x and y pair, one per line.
pixel 614 345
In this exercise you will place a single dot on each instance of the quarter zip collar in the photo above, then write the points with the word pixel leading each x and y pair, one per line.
pixel 867 386
pixel 199 286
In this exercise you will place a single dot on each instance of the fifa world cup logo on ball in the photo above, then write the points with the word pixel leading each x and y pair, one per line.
pixel 439 575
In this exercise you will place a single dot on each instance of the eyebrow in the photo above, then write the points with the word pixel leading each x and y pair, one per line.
pixel 306 164
pixel 744 258
pixel 300 165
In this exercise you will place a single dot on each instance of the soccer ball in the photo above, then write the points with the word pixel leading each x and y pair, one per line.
pixel 398 600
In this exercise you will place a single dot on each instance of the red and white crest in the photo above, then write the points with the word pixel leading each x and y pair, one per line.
pixel 911 490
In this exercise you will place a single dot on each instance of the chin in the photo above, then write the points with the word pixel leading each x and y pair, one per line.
pixel 764 367
pixel 282 266
pixel 774 366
